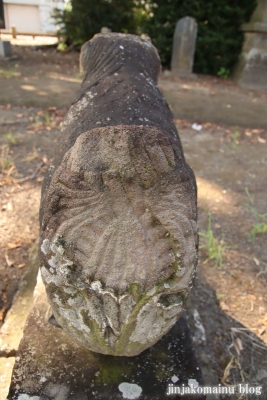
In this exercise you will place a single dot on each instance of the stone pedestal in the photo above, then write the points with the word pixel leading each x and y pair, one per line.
pixel 5 49
pixel 251 70
pixel 183 50
pixel 49 365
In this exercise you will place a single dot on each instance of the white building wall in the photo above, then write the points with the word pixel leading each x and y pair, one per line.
pixel 24 17
pixel 31 15
pixel 46 8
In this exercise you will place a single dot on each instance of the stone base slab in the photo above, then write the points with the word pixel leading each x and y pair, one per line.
pixel 50 365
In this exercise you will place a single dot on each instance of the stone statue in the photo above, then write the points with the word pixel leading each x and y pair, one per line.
pixel 118 246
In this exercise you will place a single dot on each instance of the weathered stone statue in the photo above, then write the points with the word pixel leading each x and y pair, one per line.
pixel 118 245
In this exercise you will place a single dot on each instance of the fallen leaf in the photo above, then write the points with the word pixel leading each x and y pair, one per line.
pixel 262 330
pixel 224 306
pixel 256 261
pixel 252 297
pixel 2 313
pixel 40 179
pixel 217 226
pixel 9 172
pixel 13 245
pixel 8 261
pixel 21 265
pixel 10 207
pixel 261 310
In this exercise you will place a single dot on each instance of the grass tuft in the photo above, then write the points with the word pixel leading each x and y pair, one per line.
pixel 260 220
pixel 213 246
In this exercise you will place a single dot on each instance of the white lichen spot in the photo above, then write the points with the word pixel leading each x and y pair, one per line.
pixel 24 396
pixel 166 285
pixel 121 47
pixel 53 262
pixel 45 247
pixel 180 272
pixel 151 292
pixel 193 382
pixel 91 95
pixel 57 300
pixel 57 249
pixel 58 261
pixel 174 378
pixel 130 390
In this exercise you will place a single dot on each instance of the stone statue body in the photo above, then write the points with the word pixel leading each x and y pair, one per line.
pixel 118 245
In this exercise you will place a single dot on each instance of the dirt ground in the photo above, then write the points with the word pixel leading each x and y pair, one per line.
pixel 228 306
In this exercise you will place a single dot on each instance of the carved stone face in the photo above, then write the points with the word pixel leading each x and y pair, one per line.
pixel 119 237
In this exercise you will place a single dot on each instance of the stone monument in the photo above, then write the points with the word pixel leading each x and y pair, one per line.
pixel 251 70
pixel 118 242
pixel 183 49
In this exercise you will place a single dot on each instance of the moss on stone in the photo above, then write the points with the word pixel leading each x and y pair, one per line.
pixel 111 373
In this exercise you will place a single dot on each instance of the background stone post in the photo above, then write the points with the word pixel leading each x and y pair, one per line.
pixel 184 42
pixel 251 70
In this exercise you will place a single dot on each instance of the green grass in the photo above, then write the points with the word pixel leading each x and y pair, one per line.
pixel 62 46
pixel 212 246
pixel 223 73
pixel 260 220
pixel 10 138
pixel 37 120
pixel 5 161
pixel 235 140
pixel 47 118
pixel 7 73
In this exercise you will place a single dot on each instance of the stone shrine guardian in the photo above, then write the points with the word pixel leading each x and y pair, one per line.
pixel 118 247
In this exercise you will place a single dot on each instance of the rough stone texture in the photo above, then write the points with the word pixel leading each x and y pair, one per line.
pixel 5 49
pixel 118 215
pixel 50 365
pixel 251 70
pixel 183 49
